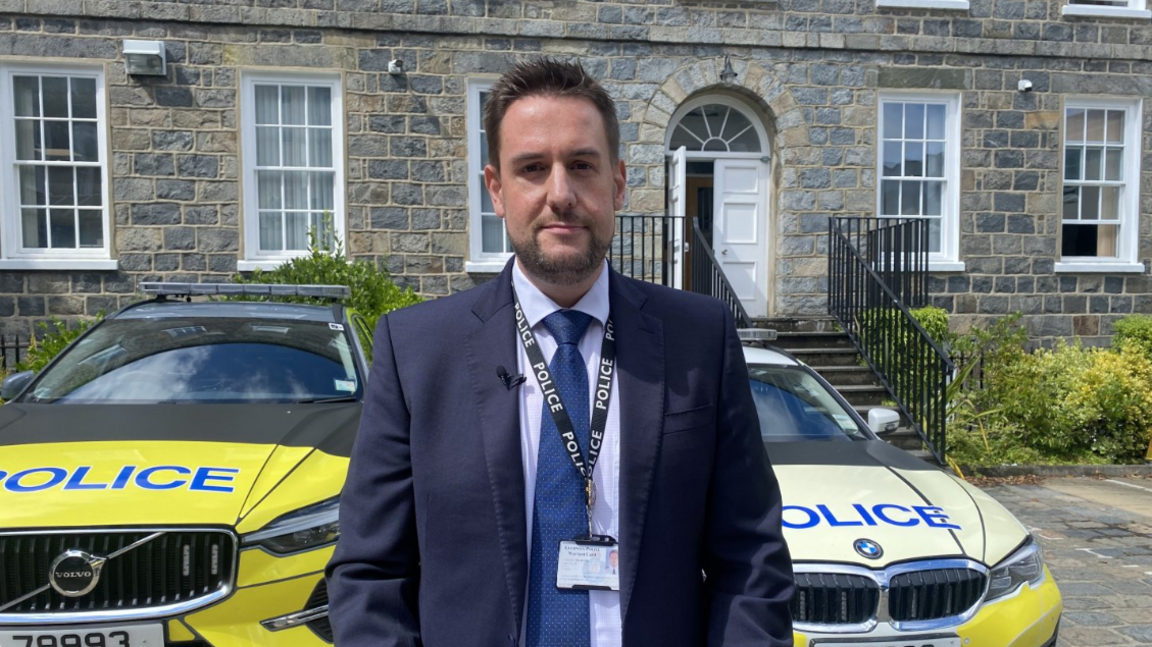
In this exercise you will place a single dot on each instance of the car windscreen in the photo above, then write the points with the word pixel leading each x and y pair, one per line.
pixel 794 406
pixel 203 360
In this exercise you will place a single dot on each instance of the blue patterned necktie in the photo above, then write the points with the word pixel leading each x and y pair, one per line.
pixel 559 618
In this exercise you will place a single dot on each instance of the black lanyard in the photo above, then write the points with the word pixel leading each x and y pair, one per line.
pixel 605 374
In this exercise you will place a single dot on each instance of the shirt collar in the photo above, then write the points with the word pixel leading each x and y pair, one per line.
pixel 536 305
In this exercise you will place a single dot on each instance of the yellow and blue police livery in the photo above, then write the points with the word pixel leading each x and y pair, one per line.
pixel 173 477
pixel 888 550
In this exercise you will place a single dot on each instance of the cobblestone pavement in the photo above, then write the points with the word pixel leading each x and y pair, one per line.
pixel 1097 539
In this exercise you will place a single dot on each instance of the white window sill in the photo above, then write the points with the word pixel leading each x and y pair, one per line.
pixel 946 266
pixel 494 266
pixel 266 264
pixel 957 5
pixel 1104 12
pixel 59 264
pixel 1101 268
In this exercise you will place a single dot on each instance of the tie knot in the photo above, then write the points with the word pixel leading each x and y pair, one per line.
pixel 567 326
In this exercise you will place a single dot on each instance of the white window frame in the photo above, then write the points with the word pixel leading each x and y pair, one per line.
pixel 948 258
pixel 254 257
pixel 13 255
pixel 955 5
pixel 1128 240
pixel 479 260
pixel 1135 9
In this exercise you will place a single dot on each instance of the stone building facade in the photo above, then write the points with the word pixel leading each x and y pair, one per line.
pixel 1018 126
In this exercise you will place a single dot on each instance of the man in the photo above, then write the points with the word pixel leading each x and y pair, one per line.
pixel 468 516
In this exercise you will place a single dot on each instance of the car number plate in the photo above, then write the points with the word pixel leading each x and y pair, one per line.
pixel 150 635
pixel 927 641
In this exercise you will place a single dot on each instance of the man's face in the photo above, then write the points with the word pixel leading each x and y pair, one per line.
pixel 613 558
pixel 558 187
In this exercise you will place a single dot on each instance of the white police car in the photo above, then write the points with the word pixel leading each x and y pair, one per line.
pixel 888 550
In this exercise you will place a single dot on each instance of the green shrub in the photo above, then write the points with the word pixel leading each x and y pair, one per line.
pixel 1134 332
pixel 373 292
pixel 56 336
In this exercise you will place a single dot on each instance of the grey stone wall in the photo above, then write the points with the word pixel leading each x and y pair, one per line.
pixel 813 67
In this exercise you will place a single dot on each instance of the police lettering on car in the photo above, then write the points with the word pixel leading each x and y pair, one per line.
pixel 800 517
pixel 157 477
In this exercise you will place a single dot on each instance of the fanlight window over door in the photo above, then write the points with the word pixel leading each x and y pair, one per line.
pixel 717 128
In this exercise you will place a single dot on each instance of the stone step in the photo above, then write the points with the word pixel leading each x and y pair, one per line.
pixel 823 339
pixel 863 394
pixel 827 356
pixel 792 324
pixel 839 376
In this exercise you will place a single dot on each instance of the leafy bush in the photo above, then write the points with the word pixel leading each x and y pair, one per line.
pixel 56 336
pixel 1134 332
pixel 373 292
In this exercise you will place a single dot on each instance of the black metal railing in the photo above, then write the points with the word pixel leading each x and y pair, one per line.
pixel 907 361
pixel 642 247
pixel 706 277
pixel 12 349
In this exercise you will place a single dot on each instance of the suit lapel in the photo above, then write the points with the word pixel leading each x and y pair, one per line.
pixel 640 353
pixel 494 344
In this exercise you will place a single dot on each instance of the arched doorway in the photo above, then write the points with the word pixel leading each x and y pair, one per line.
pixel 718 170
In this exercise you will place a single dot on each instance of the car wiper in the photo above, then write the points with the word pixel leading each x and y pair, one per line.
pixel 339 398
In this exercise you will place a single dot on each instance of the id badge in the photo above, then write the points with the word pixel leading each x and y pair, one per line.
pixel 589 564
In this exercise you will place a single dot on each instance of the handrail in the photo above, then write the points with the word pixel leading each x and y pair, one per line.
pixel 907 361
pixel 641 248
pixel 708 278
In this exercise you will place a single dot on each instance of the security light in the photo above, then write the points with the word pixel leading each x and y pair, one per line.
pixel 145 57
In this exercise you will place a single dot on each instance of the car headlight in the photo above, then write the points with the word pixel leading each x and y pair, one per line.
pixel 1024 565
pixel 304 529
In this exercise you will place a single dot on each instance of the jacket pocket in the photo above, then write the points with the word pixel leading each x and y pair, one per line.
pixel 695 418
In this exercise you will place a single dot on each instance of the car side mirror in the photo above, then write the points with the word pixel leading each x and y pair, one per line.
pixel 14 384
pixel 883 421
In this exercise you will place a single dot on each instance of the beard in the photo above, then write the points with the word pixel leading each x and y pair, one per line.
pixel 562 269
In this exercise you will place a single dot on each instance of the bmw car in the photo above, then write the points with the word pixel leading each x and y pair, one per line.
pixel 172 478
pixel 888 550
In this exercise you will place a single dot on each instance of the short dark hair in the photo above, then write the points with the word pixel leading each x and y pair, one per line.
pixel 547 77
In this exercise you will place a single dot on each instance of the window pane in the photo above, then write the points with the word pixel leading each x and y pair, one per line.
pixel 320 147
pixel 914 121
pixel 83 98
pixel 492 234
pixel 267 146
pixel 32 186
pixel 1071 209
pixel 292 105
pixel 296 231
pixel 295 190
pixel 322 224
pixel 486 201
pixel 28 140
pixel 913 159
pixel 484 151
pixel 85 147
pixel 34 226
pixel 267 104
pixel 55 97
pixel 295 151
pixel 1106 236
pixel 680 137
pixel 60 186
pixel 1075 128
pixel 91 228
pixel 26 96
pixel 910 198
pixel 716 146
pixel 745 142
pixel 1089 203
pixel 893 120
pixel 893 158
pixel 890 198
pixel 320 106
pixel 1114 164
pixel 1093 159
pixel 89 188
pixel 1110 203
pixel 935 161
pixel 57 145
pixel 63 228
pixel 271 236
pixel 1115 127
pixel 936 115
pixel 1095 126
pixel 1096 241
pixel 268 189
pixel 935 240
pixel 1072 163
pixel 322 190
pixel 933 198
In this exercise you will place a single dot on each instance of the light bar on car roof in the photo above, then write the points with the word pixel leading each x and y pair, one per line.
pixel 257 289
pixel 756 334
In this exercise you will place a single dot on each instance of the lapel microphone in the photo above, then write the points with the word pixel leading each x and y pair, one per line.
pixel 509 381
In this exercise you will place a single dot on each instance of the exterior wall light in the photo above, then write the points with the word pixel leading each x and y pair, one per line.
pixel 145 57
pixel 728 75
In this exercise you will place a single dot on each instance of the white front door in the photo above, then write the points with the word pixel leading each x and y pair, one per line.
pixel 677 199
pixel 739 235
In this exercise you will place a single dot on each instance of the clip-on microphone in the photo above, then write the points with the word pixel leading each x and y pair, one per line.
pixel 509 381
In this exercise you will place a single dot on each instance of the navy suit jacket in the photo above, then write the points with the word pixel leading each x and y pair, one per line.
pixel 432 549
